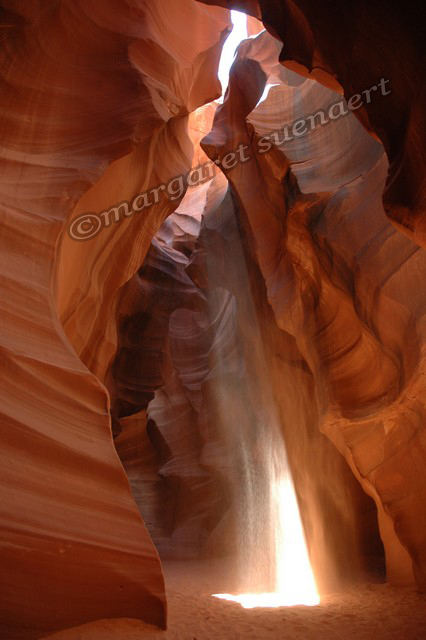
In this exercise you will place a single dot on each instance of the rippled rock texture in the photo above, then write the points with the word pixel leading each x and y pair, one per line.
pixel 132 350
pixel 349 49
pixel 337 277
pixel 95 103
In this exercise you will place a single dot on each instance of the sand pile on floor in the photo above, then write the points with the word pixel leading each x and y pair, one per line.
pixel 369 612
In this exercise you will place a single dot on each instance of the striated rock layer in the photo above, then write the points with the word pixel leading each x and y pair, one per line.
pixel 336 273
pixel 115 334
pixel 95 102
pixel 349 49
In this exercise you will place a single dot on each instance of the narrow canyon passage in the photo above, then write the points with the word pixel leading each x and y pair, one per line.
pixel 214 420
pixel 212 350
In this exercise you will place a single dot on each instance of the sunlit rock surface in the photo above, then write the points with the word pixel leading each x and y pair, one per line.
pixel 95 100
pixel 349 50
pixel 336 274
pixel 132 351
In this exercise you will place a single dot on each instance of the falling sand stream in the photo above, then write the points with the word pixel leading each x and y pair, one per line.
pixel 273 562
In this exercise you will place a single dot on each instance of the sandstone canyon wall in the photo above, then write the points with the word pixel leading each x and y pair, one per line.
pixel 324 287
pixel 110 345
pixel 88 118
pixel 348 49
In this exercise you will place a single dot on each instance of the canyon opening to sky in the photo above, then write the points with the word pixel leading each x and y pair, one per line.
pixel 213 320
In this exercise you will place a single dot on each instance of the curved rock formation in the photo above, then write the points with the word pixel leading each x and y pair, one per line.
pixel 350 49
pixel 205 376
pixel 324 290
pixel 127 315
pixel 89 118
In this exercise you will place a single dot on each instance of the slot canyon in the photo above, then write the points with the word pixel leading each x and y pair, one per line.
pixel 213 320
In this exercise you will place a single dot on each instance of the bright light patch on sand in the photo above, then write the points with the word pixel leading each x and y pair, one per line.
pixel 294 579
pixel 265 600
pixel 238 33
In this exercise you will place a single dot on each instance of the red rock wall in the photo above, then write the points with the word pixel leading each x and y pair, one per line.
pixel 96 100
pixel 89 117
pixel 350 48
pixel 337 274
pixel 196 330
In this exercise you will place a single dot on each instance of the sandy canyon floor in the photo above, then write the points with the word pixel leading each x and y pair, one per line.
pixel 368 612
